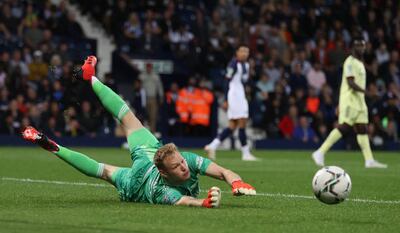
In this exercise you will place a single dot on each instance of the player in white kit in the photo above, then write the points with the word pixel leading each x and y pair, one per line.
pixel 238 107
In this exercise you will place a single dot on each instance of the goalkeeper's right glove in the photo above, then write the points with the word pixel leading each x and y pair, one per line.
pixel 213 198
pixel 241 188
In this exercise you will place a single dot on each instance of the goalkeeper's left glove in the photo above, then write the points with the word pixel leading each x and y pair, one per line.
pixel 213 198
pixel 241 188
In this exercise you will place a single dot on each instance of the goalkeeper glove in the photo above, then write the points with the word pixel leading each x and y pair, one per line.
pixel 241 188
pixel 213 198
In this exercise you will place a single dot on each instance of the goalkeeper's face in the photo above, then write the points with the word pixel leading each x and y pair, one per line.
pixel 175 169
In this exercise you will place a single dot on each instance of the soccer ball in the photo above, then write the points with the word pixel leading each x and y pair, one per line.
pixel 331 185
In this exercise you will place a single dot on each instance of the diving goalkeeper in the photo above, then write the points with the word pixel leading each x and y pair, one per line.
pixel 160 174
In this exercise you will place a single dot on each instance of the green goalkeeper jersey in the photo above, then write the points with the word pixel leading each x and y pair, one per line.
pixel 143 183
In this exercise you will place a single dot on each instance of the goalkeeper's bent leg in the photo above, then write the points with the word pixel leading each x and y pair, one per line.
pixel 116 106
pixel 110 100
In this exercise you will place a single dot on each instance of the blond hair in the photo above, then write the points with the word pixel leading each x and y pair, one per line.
pixel 162 153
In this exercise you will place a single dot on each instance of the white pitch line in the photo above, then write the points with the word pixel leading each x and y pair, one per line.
pixel 282 195
pixel 27 180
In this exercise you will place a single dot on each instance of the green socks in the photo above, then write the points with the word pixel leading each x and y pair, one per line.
pixel 81 162
pixel 363 142
pixel 333 137
pixel 110 100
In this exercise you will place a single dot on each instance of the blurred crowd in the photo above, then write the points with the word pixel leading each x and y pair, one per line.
pixel 297 50
pixel 39 44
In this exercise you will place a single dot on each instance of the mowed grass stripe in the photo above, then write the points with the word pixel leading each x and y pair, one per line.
pixel 282 195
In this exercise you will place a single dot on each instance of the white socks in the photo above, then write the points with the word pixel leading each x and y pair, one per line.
pixel 214 144
pixel 245 150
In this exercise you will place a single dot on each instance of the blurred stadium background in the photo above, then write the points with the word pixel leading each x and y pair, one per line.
pixel 297 50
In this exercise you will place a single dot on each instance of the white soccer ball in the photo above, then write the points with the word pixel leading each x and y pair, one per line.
pixel 331 185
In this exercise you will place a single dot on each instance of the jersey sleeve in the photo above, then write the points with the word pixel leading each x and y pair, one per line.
pixel 196 163
pixel 348 69
pixel 231 69
pixel 246 71
pixel 167 195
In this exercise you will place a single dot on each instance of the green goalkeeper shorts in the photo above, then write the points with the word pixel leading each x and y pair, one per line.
pixel 129 181
pixel 143 140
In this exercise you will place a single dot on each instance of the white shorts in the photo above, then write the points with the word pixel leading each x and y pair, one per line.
pixel 238 107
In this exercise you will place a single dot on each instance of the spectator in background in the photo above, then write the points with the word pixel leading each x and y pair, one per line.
pixel 55 69
pixel 316 77
pixel 72 126
pixel 200 29
pixel 171 98
pixel 50 128
pixel 31 97
pixel 149 42
pixel 272 71
pixel 304 132
pixel 132 28
pixel 321 52
pixel 34 116
pixel 184 105
pixel 391 129
pixel 3 76
pixel 264 86
pixel 53 110
pixel 70 27
pixel 64 52
pixel 13 118
pixel 382 54
pixel 288 122
pixel 300 57
pixel 297 80
pixel 217 25
pixel 27 55
pixel 33 35
pixel 17 63
pixel 312 101
pixel 37 69
pixel 150 18
pixel 337 55
pixel 58 92
pixel 4 100
pixel 139 102
pixel 201 110
pixel 5 61
pixel 180 40
pixel 8 23
pixel 154 90
pixel 89 122
pixel 227 10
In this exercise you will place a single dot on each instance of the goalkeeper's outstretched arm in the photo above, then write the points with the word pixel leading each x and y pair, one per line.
pixel 238 186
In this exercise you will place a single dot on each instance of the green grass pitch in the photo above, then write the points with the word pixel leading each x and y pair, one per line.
pixel 57 198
